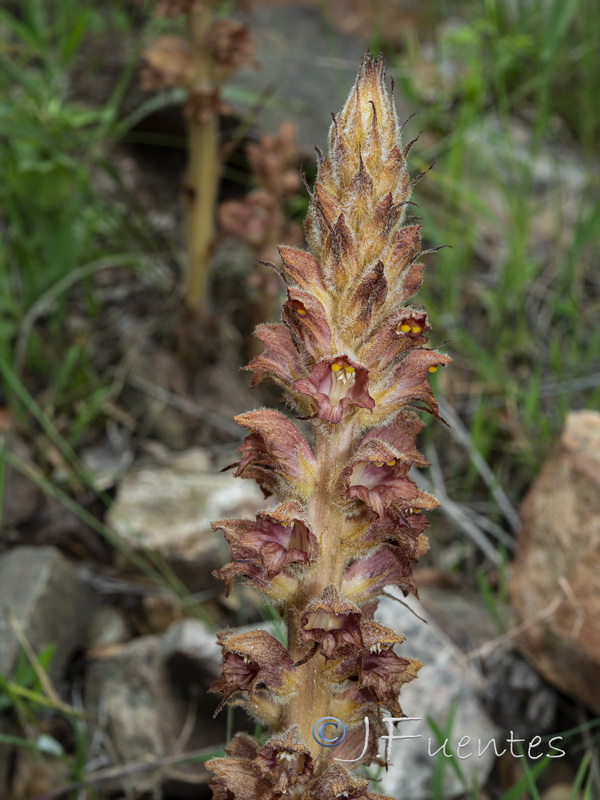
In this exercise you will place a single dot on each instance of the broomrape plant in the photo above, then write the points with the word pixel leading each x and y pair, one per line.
pixel 351 354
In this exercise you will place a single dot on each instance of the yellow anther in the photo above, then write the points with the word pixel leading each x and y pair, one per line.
pixel 432 369
pixel 336 367
pixel 378 463
pixel 301 311
pixel 405 328
pixel 391 463
pixel 416 510
pixel 349 370
pixel 416 329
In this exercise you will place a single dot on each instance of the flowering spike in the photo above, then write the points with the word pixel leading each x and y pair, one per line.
pixel 351 353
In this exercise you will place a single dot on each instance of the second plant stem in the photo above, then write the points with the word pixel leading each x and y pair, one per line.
pixel 203 168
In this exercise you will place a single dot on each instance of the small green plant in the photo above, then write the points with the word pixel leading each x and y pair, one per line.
pixel 58 229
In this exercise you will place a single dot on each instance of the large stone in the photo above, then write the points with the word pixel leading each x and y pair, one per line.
pixel 447 691
pixel 168 508
pixel 556 574
pixel 49 601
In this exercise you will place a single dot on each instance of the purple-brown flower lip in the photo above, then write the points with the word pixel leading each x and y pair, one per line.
pixel 306 318
pixel 378 473
pixel 332 622
pixel 302 268
pixel 252 661
pixel 265 547
pixel 279 359
pixel 337 386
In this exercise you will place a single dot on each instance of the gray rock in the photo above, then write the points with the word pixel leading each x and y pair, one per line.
pixel 126 693
pixel 147 714
pixel 190 646
pixel 49 600
pixel 447 691
pixel 513 690
pixel 107 626
pixel 168 508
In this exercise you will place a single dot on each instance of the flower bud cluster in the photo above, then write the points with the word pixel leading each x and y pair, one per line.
pixel 351 355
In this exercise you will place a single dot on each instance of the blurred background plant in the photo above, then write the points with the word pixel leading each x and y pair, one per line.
pixel 201 62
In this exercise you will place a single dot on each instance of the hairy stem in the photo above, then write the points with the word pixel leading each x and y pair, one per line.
pixel 333 445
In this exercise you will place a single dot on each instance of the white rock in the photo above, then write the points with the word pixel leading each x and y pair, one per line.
pixel 169 509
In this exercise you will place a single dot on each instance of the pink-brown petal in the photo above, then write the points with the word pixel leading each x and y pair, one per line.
pixel 251 661
pixel 366 577
pixel 410 384
pixel 236 779
pixel 403 330
pixel 285 760
pixel 263 547
pixel 379 484
pixel 279 359
pixel 402 527
pixel 306 318
pixel 275 452
pixel 302 268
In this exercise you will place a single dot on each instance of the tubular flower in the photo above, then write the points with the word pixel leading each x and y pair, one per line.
pixel 351 353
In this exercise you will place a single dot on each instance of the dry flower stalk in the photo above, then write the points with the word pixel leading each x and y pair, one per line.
pixel 215 48
pixel 351 355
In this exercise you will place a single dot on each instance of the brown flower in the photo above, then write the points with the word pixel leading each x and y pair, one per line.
pixel 252 662
pixel 262 549
pixel 285 760
pixel 204 103
pixel 408 383
pixel 336 783
pixel 389 565
pixel 237 779
pixel 169 64
pixel 306 318
pixel 274 162
pixel 302 269
pixel 332 622
pixel 231 46
pixel 338 386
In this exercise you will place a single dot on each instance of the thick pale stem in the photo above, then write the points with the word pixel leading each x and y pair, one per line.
pixel 312 701
pixel 203 169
